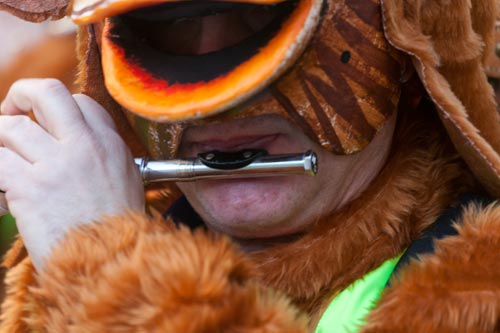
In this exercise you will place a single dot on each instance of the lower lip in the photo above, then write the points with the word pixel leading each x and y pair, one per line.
pixel 244 186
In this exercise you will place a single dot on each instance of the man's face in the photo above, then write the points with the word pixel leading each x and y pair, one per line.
pixel 315 74
pixel 266 207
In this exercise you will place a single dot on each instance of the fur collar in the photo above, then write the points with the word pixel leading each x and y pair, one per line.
pixel 456 289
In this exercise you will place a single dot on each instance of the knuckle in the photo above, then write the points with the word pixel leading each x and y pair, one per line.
pixel 113 138
pixel 19 83
pixel 82 97
pixel 91 107
pixel 19 123
pixel 52 85
pixel 22 121
pixel 113 143
pixel 50 175
pixel 88 148
pixel 82 147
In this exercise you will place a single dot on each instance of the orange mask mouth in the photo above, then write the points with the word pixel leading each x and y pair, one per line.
pixel 191 59
pixel 323 65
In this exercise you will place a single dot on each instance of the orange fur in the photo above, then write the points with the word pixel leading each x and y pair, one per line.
pixel 449 42
pixel 455 290
pixel 16 307
pixel 134 274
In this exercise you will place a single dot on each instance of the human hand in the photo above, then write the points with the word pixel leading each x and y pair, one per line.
pixel 70 167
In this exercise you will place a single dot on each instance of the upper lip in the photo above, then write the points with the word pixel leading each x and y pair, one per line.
pixel 233 143
pixel 254 132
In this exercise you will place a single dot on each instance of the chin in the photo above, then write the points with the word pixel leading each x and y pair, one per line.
pixel 248 208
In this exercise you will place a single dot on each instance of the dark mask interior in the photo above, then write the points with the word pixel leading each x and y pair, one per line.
pixel 196 41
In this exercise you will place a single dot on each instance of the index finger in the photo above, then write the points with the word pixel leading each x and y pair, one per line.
pixel 52 104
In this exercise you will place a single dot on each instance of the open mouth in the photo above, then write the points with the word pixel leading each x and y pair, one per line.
pixel 180 60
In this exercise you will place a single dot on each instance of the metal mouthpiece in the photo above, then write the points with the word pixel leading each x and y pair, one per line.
pixel 223 165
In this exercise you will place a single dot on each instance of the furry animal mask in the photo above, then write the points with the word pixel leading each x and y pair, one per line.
pixel 447 43
pixel 340 90
pixel 323 65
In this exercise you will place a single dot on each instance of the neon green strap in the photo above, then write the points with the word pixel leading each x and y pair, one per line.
pixel 347 311
pixel 8 232
pixel 7 228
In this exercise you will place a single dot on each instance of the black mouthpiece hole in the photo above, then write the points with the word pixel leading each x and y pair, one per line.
pixel 345 57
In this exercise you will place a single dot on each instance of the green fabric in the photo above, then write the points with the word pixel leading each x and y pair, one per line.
pixel 8 232
pixel 347 312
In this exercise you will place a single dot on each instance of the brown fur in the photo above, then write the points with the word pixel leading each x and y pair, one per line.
pixel 134 274
pixel 492 65
pixel 449 42
pixel 420 180
pixel 36 10
pixel 15 308
pixel 455 290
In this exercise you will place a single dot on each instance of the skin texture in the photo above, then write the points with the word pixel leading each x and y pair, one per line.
pixel 255 209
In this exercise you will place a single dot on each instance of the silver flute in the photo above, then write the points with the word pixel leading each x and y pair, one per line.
pixel 197 168
pixel 206 167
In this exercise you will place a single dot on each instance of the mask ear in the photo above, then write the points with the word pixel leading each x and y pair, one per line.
pixel 448 43
pixel 35 10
